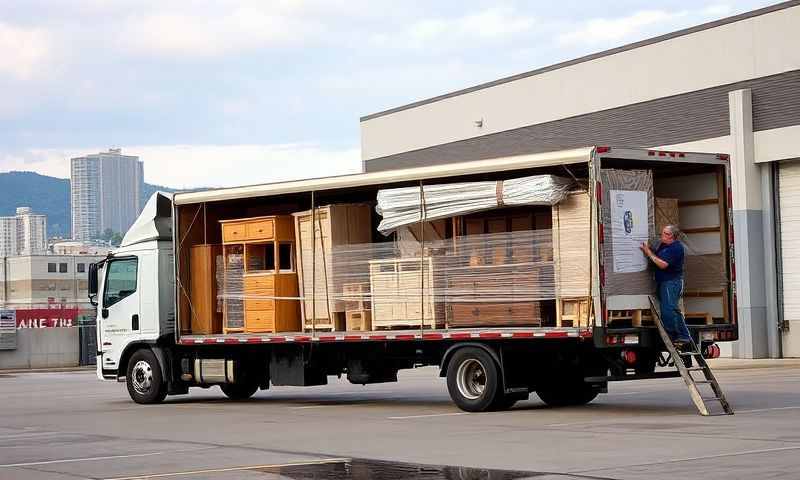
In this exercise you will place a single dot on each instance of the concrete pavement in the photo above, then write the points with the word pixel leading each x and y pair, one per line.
pixel 69 425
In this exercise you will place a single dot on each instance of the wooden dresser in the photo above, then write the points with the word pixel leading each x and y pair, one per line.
pixel 261 288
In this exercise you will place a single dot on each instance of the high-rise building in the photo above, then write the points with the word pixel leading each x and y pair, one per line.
pixel 106 191
pixel 8 236
pixel 31 232
pixel 23 234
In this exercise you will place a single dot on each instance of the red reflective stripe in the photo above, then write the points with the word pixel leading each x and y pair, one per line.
pixel 432 336
pixel 350 338
pixel 522 335
pixel 404 337
pixel 556 334
pixel 599 193
pixel 304 338
pixel 254 340
pixel 327 338
pixel 490 335
pixel 378 337
pixel 603 149
pixel 601 233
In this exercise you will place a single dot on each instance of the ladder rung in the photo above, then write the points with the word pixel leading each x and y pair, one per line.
pixel 687 354
pixel 703 381
pixel 710 398
pixel 694 369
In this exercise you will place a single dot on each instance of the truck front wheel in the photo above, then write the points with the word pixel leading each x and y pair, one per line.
pixel 473 380
pixel 144 378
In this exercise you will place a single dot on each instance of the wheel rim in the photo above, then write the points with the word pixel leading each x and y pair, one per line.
pixel 471 379
pixel 142 377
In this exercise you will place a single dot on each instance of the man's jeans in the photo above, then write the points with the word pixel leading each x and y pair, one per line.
pixel 669 294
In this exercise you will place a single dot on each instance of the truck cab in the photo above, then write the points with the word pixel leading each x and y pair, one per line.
pixel 133 289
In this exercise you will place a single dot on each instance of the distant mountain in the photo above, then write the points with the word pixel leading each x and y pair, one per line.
pixel 46 195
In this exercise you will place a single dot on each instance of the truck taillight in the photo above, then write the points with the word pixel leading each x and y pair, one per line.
pixel 629 357
pixel 603 149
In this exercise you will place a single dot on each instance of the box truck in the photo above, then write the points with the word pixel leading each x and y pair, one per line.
pixel 512 275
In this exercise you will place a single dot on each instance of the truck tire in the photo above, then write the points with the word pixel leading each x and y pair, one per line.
pixel 144 378
pixel 473 380
pixel 239 391
pixel 573 393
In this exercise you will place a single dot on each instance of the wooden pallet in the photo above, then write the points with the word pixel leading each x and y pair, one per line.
pixel 572 312
pixel 698 318
pixel 631 317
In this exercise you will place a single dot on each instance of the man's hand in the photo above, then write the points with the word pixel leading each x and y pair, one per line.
pixel 644 247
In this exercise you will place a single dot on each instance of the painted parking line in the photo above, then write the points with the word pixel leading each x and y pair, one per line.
pixel 407 417
pixel 229 469
pixel 97 459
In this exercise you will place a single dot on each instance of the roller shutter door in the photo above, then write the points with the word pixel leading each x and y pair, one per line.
pixel 789 204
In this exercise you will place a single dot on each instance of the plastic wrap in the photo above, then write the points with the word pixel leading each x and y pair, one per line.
pixel 401 206
pixel 628 202
pixel 486 280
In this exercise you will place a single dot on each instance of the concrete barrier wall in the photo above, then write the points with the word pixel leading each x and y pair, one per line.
pixel 43 348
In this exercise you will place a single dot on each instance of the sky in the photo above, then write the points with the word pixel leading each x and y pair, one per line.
pixel 227 92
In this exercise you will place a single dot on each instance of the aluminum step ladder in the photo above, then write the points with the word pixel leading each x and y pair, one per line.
pixel 686 372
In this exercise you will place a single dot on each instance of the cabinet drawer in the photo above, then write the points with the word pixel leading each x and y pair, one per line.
pixel 254 304
pixel 259 320
pixel 233 232
pixel 261 230
pixel 259 282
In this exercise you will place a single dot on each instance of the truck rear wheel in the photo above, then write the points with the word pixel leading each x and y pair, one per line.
pixel 144 378
pixel 473 380
pixel 239 391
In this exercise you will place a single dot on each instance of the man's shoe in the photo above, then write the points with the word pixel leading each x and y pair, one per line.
pixel 681 345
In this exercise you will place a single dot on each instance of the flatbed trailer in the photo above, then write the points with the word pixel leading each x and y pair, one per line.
pixel 144 306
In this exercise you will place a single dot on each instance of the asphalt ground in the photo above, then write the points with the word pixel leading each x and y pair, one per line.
pixel 68 425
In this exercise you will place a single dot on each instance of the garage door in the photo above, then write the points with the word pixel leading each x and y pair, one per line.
pixel 789 198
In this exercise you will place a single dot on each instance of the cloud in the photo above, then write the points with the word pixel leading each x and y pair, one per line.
pixel 491 24
pixel 191 166
pixel 604 30
pixel 23 51
pixel 193 35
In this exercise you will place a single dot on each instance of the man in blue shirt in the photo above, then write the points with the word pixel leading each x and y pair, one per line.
pixel 668 259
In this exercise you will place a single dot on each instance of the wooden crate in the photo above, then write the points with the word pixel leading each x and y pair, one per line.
pixel 356 296
pixel 571 249
pixel 358 320
pixel 572 312
pixel 206 320
pixel 320 276
pixel 397 296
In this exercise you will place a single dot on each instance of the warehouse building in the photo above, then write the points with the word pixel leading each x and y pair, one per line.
pixel 729 86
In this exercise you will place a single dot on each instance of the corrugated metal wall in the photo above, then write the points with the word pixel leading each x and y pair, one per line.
pixel 789 211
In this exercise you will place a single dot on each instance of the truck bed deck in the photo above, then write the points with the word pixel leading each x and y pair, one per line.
pixel 390 335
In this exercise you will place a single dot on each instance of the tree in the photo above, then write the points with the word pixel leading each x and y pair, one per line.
pixel 116 239
pixel 107 234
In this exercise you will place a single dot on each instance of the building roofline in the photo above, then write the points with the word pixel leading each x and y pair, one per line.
pixel 590 57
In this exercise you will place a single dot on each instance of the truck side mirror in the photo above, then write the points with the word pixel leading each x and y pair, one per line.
pixel 93 283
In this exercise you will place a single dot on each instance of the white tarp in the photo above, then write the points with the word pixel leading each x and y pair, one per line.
pixel 401 206
pixel 629 229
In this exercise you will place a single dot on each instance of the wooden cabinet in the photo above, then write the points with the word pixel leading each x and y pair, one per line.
pixel 266 307
pixel 323 269
pixel 205 317
pixel 260 281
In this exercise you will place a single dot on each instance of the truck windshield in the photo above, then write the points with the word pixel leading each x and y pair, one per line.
pixel 120 281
